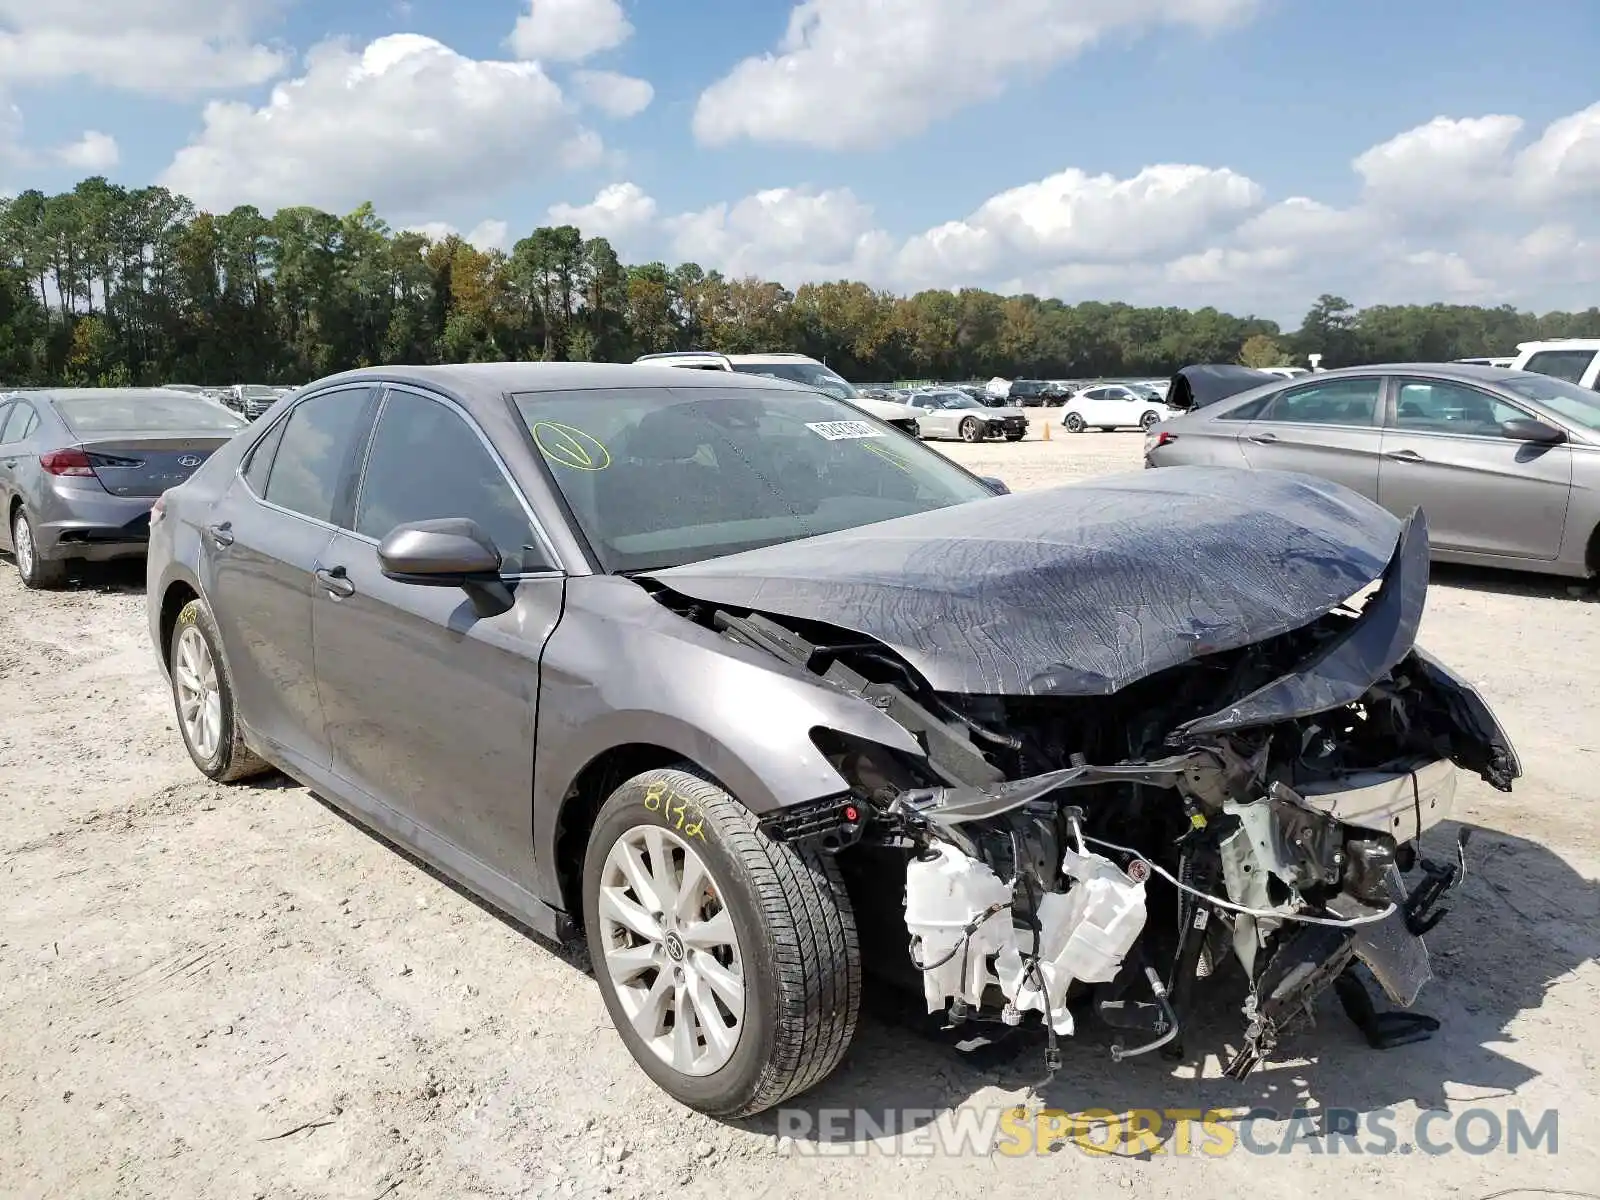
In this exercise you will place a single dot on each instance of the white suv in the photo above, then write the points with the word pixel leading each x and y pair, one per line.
pixel 1577 360
pixel 796 368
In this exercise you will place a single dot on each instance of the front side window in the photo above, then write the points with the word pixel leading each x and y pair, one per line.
pixel 1561 364
pixel 1336 402
pixel 426 464
pixel 314 452
pixel 1437 406
pixel 657 477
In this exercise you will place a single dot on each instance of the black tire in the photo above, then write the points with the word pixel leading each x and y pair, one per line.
pixel 797 937
pixel 971 431
pixel 1150 419
pixel 232 759
pixel 40 574
pixel 1074 422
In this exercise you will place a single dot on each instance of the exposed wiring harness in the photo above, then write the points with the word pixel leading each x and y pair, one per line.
pixel 1259 913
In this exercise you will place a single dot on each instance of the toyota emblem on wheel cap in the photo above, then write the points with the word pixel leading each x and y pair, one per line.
pixel 189 460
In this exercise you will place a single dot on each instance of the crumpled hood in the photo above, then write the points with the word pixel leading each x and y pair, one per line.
pixel 1078 590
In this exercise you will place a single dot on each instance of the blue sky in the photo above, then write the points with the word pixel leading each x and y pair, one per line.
pixel 1248 153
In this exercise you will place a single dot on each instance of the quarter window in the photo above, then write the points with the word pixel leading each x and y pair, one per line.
pixel 1437 406
pixel 427 464
pixel 19 423
pixel 314 452
pixel 1336 402
pixel 260 461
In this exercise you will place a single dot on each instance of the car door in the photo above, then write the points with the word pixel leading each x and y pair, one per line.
pixel 939 421
pixel 260 544
pixel 430 706
pixel 1330 428
pixel 1089 404
pixel 1483 493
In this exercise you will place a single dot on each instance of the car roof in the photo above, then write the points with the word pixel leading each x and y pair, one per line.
pixel 1466 372
pixel 98 393
pixel 469 379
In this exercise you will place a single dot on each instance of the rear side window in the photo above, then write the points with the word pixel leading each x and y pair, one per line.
pixel 1562 364
pixel 313 452
pixel 1336 402
pixel 260 464
pixel 18 422
pixel 426 464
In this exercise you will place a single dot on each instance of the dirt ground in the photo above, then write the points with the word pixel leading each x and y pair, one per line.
pixel 218 992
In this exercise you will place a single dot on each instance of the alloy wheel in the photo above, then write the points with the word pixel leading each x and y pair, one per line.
pixel 199 697
pixel 671 950
pixel 22 545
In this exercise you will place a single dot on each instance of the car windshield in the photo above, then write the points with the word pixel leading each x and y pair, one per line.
pixel 1577 404
pixel 813 375
pixel 658 477
pixel 147 412
pixel 952 400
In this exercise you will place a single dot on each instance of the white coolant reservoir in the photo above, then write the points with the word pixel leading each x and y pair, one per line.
pixel 1084 934
pixel 944 894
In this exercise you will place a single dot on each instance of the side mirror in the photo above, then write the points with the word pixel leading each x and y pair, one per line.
pixel 1527 429
pixel 447 553
pixel 996 485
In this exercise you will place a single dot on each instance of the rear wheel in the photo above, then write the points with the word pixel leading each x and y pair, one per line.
pixel 1150 419
pixel 36 572
pixel 971 431
pixel 728 961
pixel 203 697
pixel 1074 422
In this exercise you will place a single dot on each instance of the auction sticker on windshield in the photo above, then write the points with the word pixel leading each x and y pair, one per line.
pixel 839 431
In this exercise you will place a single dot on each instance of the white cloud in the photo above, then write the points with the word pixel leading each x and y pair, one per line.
pixel 790 234
pixel 407 123
pixel 161 46
pixel 1072 216
pixel 618 213
pixel 569 30
pixel 1445 165
pixel 1564 164
pixel 849 74
pixel 94 151
pixel 613 94
pixel 485 235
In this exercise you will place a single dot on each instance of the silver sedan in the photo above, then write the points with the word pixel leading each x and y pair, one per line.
pixel 80 468
pixel 1505 464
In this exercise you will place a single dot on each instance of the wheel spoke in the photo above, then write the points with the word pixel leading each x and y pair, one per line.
pixel 720 1039
pixel 728 986
pixel 617 907
pixel 684 1043
pixel 663 877
pixel 650 1018
pixel 629 962
pixel 710 934
pixel 691 889
pixel 639 879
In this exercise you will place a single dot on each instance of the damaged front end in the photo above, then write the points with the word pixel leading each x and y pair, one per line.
pixel 1260 805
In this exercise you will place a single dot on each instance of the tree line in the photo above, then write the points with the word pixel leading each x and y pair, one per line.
pixel 107 285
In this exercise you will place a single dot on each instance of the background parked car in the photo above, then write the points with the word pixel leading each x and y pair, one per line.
pixel 1029 393
pixel 80 468
pixel 951 413
pixel 1577 360
pixel 1200 384
pixel 1505 464
pixel 1109 406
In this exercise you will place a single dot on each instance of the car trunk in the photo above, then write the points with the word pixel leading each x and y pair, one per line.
pixel 133 464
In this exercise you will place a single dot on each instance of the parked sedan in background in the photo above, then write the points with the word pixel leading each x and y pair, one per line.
pixel 80 468
pixel 1505 464
pixel 1109 406
pixel 952 413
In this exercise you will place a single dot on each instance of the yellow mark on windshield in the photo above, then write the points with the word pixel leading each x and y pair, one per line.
pixel 570 447
pixel 888 455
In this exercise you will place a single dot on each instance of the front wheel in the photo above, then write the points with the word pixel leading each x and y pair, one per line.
pixel 728 962
pixel 1074 422
pixel 1150 420
pixel 971 431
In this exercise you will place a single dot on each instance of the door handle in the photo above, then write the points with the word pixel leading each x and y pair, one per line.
pixel 336 581
pixel 1263 439
pixel 222 534
pixel 1405 456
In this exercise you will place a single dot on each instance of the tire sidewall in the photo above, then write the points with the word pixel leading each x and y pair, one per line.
pixel 627 809
pixel 1074 423
pixel 195 615
pixel 969 430
pixel 1149 420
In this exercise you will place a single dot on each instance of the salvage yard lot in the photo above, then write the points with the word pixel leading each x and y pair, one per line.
pixel 211 991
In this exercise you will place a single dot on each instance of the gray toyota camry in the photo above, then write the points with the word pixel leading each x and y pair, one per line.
pixel 753 692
